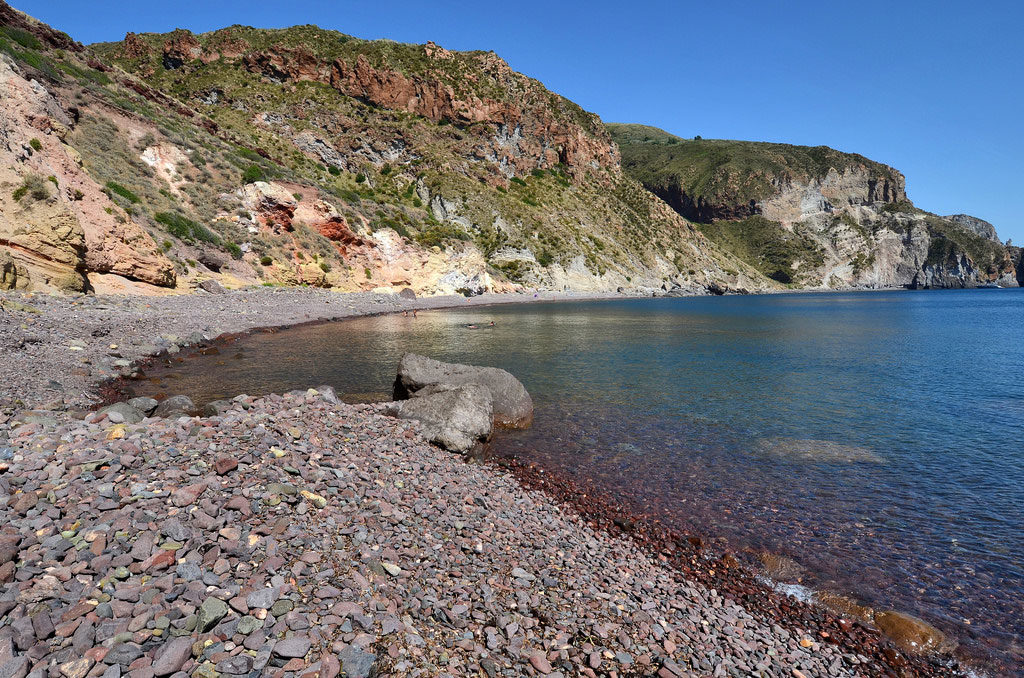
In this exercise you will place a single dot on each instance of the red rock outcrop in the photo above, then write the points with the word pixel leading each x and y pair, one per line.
pixel 286 64
pixel 527 135
pixel 134 47
pixel 181 48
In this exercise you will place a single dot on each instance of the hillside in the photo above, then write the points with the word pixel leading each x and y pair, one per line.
pixel 305 156
pixel 812 216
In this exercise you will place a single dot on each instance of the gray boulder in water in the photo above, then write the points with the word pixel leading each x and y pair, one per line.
pixel 457 418
pixel 511 405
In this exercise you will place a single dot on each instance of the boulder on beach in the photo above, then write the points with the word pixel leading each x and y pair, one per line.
pixel 175 406
pixel 457 418
pixel 123 413
pixel 215 408
pixel 407 293
pixel 144 404
pixel 212 286
pixel 510 402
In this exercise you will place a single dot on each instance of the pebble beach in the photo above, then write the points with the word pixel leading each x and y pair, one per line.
pixel 297 536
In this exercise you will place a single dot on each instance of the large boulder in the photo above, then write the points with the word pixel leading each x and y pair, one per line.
pixel 175 406
pixel 458 418
pixel 511 404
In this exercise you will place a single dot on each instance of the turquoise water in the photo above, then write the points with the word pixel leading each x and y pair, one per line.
pixel 874 438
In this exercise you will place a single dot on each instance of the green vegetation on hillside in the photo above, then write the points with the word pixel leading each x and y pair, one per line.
pixel 727 173
pixel 771 249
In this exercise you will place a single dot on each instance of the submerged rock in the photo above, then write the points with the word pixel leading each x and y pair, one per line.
pixel 798 449
pixel 510 402
pixel 909 632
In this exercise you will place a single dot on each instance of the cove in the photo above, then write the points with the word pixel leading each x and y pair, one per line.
pixel 873 439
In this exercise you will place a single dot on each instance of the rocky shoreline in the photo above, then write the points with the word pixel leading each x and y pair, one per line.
pixel 294 535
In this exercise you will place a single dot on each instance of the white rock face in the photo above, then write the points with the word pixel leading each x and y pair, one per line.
pixel 865 242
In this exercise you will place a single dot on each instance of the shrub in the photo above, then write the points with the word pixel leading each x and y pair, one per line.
pixel 368 273
pixel 120 190
pixel 545 258
pixel 325 267
pixel 36 144
pixel 334 171
pixel 34 186
pixel 145 141
pixel 360 178
pixel 233 249
pixel 266 261
pixel 78 194
pixel 252 174
pixel 53 180
pixel 386 170
pixel 437 235
pixel 416 202
pixel 183 228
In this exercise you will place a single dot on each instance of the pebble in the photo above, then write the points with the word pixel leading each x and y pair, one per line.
pixel 296 646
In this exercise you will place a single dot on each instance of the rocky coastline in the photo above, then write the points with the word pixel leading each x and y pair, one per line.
pixel 293 535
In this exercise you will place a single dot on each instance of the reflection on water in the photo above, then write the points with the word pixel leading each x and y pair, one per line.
pixel 872 438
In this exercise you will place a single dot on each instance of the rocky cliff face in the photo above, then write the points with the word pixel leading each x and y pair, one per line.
pixel 979 226
pixel 56 224
pixel 814 216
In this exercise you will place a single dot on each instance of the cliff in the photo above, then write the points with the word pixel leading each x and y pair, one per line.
pixel 813 216
pixel 305 156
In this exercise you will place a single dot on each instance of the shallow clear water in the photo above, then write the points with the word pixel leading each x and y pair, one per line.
pixel 875 438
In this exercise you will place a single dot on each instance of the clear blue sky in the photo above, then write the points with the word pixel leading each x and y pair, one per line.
pixel 935 89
